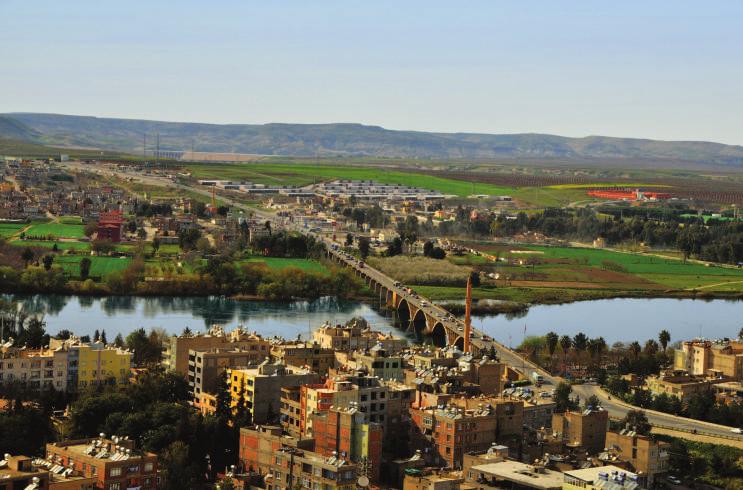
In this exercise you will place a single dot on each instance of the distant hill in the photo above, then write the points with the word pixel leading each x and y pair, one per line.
pixel 347 140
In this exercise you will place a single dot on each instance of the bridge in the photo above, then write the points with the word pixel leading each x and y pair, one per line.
pixel 418 315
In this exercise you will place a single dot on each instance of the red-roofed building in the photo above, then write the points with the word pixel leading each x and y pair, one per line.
pixel 110 226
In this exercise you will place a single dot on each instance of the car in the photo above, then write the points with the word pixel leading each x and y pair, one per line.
pixel 673 480
pixel 424 303
pixel 736 431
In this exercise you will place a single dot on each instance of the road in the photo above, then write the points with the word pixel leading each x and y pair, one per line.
pixel 616 409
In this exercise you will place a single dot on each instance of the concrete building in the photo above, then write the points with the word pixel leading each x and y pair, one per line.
pixel 600 477
pixel 304 354
pixel 647 457
pixel 344 433
pixel 286 463
pixel 205 367
pixel 37 368
pixel 379 363
pixel 514 475
pixel 584 431
pixel 18 472
pixel 177 347
pixel 102 364
pixel 680 384
pixel 260 387
pixel 114 463
pixel 455 430
pixel 705 358
pixel 434 480
pixel 355 337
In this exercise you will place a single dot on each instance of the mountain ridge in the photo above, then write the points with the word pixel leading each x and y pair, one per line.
pixel 347 139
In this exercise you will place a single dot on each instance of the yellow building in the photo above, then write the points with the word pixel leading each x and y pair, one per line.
pixel 260 388
pixel 100 364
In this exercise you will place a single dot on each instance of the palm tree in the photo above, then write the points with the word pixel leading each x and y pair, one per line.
pixel 651 347
pixel 552 340
pixel 580 341
pixel 664 337
pixel 565 344
pixel 635 349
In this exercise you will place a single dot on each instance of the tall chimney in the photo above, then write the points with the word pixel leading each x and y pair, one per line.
pixel 467 315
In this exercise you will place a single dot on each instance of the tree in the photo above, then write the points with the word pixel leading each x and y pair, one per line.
pixel 96 335
pixel 664 337
pixel 103 337
pixel 475 279
pixel 155 245
pixel 48 260
pixel 85 264
pixel 224 398
pixel 592 402
pixel 119 341
pixel 349 239
pixel 90 228
pixel 364 247
pixel 34 335
pixel 637 421
pixel 188 237
pixel 651 347
pixel 147 349
pixel 580 341
pixel 565 343
pixel 438 253
pixel 395 247
pixel 563 402
pixel 635 349
pixel 552 340
pixel 27 255
pixel 427 248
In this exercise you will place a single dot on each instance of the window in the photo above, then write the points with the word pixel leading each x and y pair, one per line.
pixel 114 486
pixel 116 471
pixel 149 466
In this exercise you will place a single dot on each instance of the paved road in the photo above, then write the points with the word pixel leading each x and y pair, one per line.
pixel 615 408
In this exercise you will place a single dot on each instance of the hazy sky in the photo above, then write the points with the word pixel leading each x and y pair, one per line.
pixel 658 69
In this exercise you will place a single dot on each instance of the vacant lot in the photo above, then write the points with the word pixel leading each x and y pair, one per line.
pixel 57 230
pixel 422 270
pixel 307 265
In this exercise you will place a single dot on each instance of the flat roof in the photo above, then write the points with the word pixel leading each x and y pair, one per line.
pixel 522 473
pixel 589 475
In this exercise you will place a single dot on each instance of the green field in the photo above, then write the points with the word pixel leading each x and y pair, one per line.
pixel 58 230
pixel 530 273
pixel 292 174
pixel 10 229
pixel 50 244
pixel 70 220
pixel 99 266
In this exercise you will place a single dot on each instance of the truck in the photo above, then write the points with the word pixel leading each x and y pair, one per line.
pixel 537 378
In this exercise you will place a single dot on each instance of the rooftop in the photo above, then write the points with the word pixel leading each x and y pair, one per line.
pixel 521 473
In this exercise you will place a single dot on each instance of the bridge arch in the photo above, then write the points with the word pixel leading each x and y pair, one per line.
pixel 438 335
pixel 459 343
pixel 419 324
pixel 403 314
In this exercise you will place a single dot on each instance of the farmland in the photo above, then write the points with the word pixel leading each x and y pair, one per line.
pixel 278 263
pixel 9 229
pixel 529 273
pixel 291 174
pixel 56 230
pixel 99 266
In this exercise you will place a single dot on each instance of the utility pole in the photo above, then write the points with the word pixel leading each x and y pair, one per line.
pixel 144 148
pixel 157 156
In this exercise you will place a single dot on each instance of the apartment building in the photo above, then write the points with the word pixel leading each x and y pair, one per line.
pixel 260 387
pixel 286 463
pixel 355 337
pixel 115 463
pixel 704 358
pixel 304 354
pixel 454 430
pixel 680 384
pixel 37 368
pixel 177 347
pixel 344 433
pixel 206 367
pixel 647 457
pixel 582 430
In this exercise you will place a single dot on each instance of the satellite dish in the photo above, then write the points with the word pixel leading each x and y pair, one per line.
pixel 363 481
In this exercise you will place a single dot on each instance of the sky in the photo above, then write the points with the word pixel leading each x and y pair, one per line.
pixel 663 69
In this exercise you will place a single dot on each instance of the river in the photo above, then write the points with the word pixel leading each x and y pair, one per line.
pixel 614 319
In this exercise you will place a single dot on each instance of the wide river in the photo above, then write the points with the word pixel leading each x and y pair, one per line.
pixel 613 319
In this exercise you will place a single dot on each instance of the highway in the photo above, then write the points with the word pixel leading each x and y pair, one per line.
pixel 616 409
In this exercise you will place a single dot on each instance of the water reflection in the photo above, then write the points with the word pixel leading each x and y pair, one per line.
pixel 121 314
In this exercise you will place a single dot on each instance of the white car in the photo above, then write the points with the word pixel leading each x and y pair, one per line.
pixel 736 431
pixel 672 479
